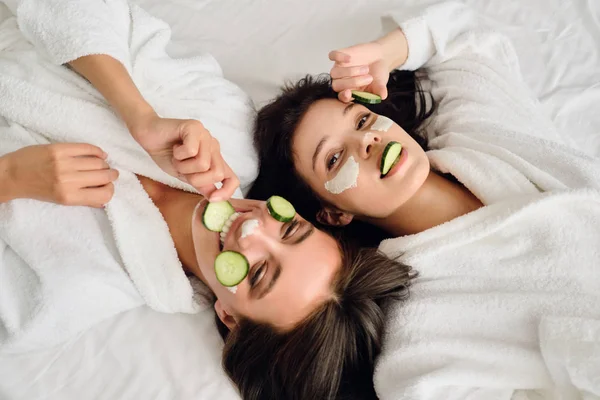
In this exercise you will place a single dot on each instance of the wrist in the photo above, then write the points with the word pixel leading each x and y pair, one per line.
pixel 8 190
pixel 138 119
pixel 395 48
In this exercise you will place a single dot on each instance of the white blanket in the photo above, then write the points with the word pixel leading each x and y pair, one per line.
pixel 63 269
pixel 508 300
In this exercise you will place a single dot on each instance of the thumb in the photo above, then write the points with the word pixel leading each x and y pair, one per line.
pixel 207 190
pixel 380 90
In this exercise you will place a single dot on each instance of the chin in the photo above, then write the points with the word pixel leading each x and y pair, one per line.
pixel 408 187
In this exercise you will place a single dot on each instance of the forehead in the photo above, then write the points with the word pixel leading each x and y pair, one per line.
pixel 322 112
pixel 325 118
pixel 307 274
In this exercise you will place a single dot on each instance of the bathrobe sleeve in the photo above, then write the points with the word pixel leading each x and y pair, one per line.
pixel 190 87
pixel 66 30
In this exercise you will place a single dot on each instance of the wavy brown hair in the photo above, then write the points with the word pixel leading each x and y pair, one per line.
pixel 331 354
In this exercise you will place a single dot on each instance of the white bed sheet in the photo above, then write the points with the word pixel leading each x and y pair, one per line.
pixel 146 355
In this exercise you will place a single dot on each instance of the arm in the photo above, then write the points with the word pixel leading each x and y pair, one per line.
pixel 7 191
pixel 94 37
pixel 111 79
pixel 437 34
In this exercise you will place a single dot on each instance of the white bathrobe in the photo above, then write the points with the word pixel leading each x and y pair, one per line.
pixel 507 304
pixel 63 269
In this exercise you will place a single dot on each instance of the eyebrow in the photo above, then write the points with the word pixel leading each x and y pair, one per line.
pixel 348 108
pixel 317 151
pixel 277 272
pixel 304 236
pixel 322 142
pixel 268 289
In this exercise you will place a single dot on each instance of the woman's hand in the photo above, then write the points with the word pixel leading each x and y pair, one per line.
pixel 186 149
pixel 182 148
pixel 68 174
pixel 367 66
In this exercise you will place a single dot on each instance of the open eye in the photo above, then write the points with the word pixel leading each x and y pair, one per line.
pixel 332 160
pixel 362 121
pixel 259 273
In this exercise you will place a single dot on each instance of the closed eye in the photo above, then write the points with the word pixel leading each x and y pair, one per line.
pixel 259 273
pixel 291 229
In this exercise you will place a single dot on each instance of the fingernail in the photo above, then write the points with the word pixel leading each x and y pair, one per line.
pixel 215 198
pixel 364 70
pixel 105 154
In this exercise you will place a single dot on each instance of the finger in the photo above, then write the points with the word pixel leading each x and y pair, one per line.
pixel 207 191
pixel 191 165
pixel 345 96
pixel 88 179
pixel 230 183
pixel 193 135
pixel 217 163
pixel 339 57
pixel 81 149
pixel 200 180
pixel 380 90
pixel 226 191
pixel 88 163
pixel 351 83
pixel 96 197
pixel 338 72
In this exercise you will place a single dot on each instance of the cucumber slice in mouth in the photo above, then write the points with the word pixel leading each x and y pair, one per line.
pixel 216 214
pixel 391 155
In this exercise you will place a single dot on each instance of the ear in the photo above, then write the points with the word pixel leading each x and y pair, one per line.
pixel 225 317
pixel 332 216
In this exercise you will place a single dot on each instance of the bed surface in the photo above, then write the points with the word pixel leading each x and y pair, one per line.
pixel 142 354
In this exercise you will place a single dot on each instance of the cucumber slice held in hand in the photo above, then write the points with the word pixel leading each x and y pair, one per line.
pixel 281 209
pixel 231 268
pixel 391 155
pixel 216 214
pixel 366 97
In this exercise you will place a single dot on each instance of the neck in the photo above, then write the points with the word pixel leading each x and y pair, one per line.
pixel 177 208
pixel 439 200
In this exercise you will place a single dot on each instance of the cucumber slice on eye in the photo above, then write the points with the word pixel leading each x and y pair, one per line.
pixel 281 209
pixel 366 97
pixel 216 214
pixel 231 268
pixel 390 157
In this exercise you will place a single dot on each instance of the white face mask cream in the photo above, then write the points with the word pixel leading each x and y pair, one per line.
pixel 248 227
pixel 232 289
pixel 382 124
pixel 346 178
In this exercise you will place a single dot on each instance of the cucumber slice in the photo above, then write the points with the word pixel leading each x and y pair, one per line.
pixel 281 209
pixel 366 97
pixel 216 214
pixel 231 268
pixel 390 157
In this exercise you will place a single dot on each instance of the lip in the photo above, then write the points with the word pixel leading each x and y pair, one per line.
pixel 400 161
pixel 235 228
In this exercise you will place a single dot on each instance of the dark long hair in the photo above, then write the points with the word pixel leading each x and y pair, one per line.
pixel 331 354
pixel 277 122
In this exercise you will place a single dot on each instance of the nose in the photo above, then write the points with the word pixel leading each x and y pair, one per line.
pixel 368 142
pixel 253 232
